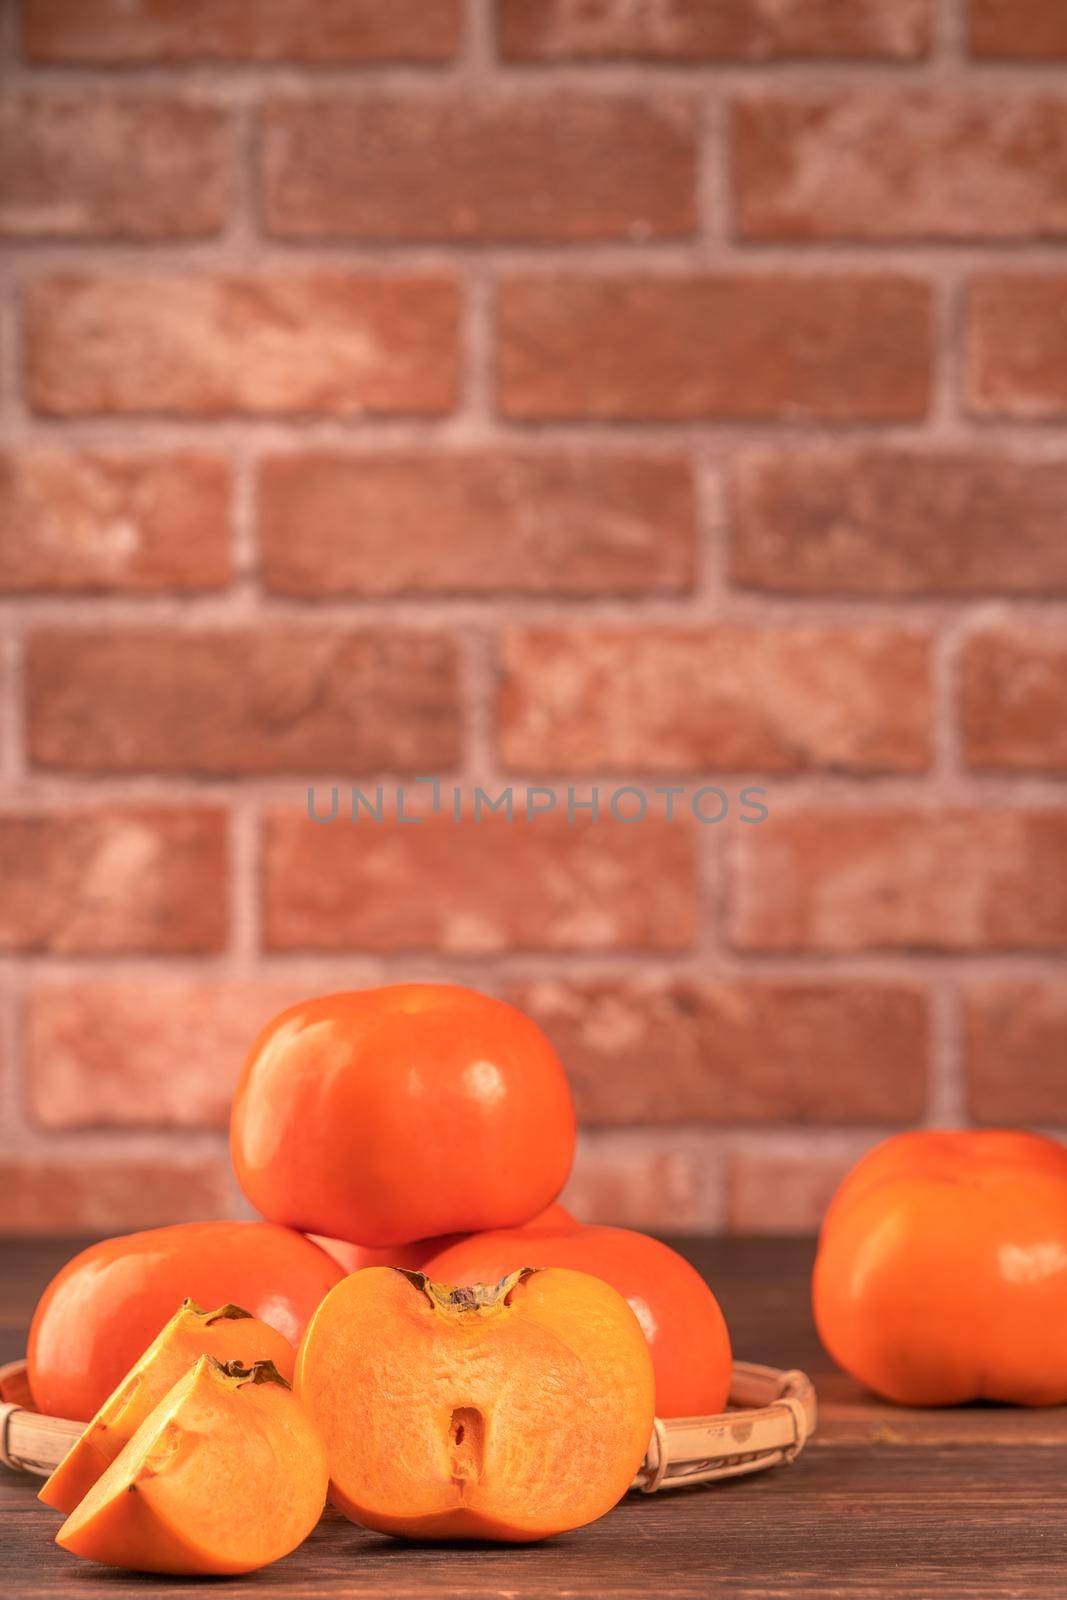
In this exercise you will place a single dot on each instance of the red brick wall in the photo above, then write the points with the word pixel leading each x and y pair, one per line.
pixel 548 392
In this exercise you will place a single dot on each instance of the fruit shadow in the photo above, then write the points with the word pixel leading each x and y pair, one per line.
pixel 384 1545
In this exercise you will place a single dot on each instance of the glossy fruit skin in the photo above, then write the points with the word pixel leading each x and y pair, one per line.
pixel 679 1315
pixel 553 1219
pixel 353 1257
pixel 941 1275
pixel 389 1115
pixel 103 1309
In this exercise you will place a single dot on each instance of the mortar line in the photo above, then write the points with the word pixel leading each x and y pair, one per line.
pixel 236 81
pixel 647 968
pixel 477 57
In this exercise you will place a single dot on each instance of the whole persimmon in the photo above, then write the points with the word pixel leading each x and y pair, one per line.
pixel 677 1312
pixel 554 1219
pixel 225 1475
pixel 391 1115
pixel 509 1412
pixel 354 1256
pixel 941 1275
pixel 102 1310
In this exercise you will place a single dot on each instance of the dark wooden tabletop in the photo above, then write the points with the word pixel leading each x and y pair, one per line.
pixel 964 1503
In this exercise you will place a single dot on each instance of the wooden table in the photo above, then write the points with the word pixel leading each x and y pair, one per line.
pixel 965 1503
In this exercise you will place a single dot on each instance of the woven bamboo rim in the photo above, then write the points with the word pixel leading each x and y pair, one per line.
pixel 773 1419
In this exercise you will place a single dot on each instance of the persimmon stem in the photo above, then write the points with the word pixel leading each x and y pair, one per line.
pixel 258 1372
pixel 460 1298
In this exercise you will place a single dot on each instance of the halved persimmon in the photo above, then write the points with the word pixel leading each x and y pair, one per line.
pixel 509 1412
pixel 225 1475
pixel 228 1334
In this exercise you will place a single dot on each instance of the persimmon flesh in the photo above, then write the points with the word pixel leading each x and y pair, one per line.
pixel 103 1309
pixel 510 1412
pixel 228 1334
pixel 225 1475
pixel 386 1115
pixel 678 1313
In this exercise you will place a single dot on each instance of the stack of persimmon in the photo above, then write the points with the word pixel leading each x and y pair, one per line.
pixel 466 1359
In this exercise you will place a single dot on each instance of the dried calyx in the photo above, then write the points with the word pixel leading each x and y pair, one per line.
pixel 478 1297
pixel 227 1313
pixel 258 1372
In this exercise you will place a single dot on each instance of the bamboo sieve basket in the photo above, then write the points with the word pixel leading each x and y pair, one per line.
pixel 771 1419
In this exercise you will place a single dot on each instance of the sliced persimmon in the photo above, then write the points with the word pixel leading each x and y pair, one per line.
pixel 225 1475
pixel 228 1334
pixel 508 1412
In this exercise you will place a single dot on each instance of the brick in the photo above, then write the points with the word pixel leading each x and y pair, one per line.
pixel 499 168
pixel 108 1193
pixel 730 696
pixel 736 1051
pixel 118 32
pixel 782 1194
pixel 671 348
pixel 1026 29
pixel 1013 698
pixel 1016 346
pixel 85 166
pixel 113 521
pixel 481 522
pixel 9 735
pixel 914 165
pixel 903 880
pixel 123 1054
pixel 477 887
pixel 332 342
pixel 251 701
pixel 131 878
pixel 1015 1039
pixel 730 30
pixel 857 521
pixel 666 1185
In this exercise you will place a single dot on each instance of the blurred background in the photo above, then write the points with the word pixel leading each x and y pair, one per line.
pixel 551 392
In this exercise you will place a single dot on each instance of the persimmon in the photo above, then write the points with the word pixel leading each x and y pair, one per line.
pixel 228 1334
pixel 678 1313
pixel 553 1219
pixel 941 1274
pixel 509 1412
pixel 226 1474
pixel 388 1115
pixel 103 1309
pixel 354 1256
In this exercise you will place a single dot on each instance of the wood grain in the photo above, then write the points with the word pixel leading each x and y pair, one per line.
pixel 885 1503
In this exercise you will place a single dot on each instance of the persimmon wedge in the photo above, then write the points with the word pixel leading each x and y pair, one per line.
pixel 225 1475
pixel 510 1412
pixel 228 1334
